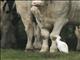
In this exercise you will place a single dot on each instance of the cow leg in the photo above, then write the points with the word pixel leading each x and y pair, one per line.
pixel 35 11
pixel 77 33
pixel 37 33
pixel 29 31
pixel 45 37
pixel 44 32
pixel 29 44
pixel 23 8
pixel 78 44
pixel 56 31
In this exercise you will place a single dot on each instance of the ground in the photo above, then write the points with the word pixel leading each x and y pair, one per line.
pixel 10 54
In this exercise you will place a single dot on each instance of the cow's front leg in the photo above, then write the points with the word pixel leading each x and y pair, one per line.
pixel 29 31
pixel 45 37
pixel 56 31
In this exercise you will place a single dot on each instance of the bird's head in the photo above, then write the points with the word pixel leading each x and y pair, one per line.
pixel 58 37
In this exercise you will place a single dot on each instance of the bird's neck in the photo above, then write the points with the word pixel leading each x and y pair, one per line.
pixel 57 40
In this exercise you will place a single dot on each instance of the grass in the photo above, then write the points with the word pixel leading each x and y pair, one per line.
pixel 10 54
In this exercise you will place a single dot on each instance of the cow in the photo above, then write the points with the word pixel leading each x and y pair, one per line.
pixel 31 28
pixel 51 16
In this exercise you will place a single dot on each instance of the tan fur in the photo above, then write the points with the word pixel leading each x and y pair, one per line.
pixel 23 8
pixel 52 14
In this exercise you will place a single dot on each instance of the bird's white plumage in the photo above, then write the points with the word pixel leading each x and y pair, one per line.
pixel 62 46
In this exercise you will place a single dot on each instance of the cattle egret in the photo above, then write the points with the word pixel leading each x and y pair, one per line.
pixel 62 46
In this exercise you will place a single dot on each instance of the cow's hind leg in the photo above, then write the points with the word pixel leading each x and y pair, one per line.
pixel 44 32
pixel 56 31
pixel 37 36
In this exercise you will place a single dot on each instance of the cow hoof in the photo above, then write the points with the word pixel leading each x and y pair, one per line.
pixel 29 46
pixel 53 47
pixel 37 46
pixel 52 50
pixel 44 50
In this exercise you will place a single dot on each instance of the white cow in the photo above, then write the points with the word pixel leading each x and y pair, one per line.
pixel 31 29
pixel 52 15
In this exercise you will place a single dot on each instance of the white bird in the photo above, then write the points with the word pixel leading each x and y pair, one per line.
pixel 62 46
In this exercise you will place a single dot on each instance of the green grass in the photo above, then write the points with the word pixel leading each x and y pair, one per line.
pixel 10 54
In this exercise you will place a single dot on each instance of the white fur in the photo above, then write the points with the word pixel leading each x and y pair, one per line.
pixel 62 46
